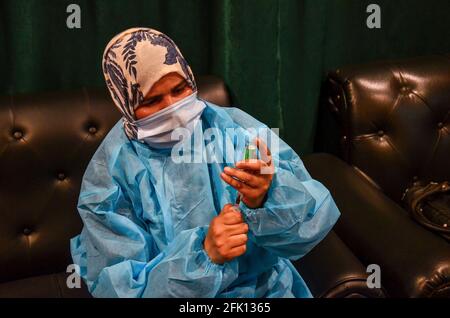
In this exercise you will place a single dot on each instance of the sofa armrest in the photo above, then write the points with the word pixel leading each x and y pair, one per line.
pixel 414 262
pixel 332 271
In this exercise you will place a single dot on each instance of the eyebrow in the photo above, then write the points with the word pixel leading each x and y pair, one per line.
pixel 182 83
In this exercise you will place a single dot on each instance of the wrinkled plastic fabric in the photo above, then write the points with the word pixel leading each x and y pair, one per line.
pixel 146 217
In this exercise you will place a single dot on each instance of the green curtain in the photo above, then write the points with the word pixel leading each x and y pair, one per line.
pixel 273 54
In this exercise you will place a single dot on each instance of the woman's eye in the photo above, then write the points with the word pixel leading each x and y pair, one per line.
pixel 151 101
pixel 179 90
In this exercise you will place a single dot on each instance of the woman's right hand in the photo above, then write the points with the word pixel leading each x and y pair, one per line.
pixel 227 235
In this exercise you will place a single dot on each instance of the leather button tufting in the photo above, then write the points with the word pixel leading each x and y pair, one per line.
pixel 92 130
pixel 18 134
pixel 61 176
pixel 26 231
pixel 380 133
pixel 440 125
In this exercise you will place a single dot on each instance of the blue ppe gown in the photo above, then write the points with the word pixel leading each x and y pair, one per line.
pixel 145 219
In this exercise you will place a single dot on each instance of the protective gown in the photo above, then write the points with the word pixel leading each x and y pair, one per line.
pixel 146 217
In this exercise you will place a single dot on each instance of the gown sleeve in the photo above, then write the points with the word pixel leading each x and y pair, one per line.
pixel 298 211
pixel 117 256
pixel 296 215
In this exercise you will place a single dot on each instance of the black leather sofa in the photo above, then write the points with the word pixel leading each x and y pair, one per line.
pixel 394 123
pixel 46 142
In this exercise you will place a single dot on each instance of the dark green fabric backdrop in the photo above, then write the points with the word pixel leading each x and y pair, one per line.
pixel 273 54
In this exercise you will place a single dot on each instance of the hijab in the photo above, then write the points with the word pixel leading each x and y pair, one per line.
pixel 133 61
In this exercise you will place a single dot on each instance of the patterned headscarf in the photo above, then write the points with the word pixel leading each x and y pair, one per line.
pixel 133 61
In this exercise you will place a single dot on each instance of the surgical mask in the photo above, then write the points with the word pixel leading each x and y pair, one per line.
pixel 156 129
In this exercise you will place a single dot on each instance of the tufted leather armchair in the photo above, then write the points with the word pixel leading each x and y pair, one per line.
pixel 46 142
pixel 394 122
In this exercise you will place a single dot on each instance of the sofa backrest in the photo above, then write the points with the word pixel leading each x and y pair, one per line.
pixel 46 142
pixel 394 120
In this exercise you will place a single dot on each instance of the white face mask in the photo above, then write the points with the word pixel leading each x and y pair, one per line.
pixel 156 129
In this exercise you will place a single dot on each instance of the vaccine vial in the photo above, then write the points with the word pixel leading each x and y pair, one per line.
pixel 250 152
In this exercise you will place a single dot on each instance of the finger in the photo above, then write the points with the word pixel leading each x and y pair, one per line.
pixel 232 182
pixel 245 177
pixel 248 191
pixel 236 229
pixel 259 167
pixel 233 217
pixel 253 165
pixel 237 240
pixel 262 146
pixel 238 251
pixel 266 156
pixel 228 208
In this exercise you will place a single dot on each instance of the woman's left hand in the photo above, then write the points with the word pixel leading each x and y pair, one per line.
pixel 255 177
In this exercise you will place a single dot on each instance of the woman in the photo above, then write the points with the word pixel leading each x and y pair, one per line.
pixel 158 227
